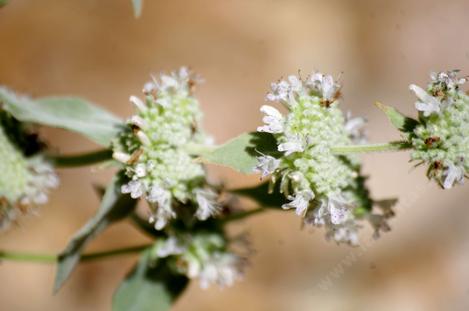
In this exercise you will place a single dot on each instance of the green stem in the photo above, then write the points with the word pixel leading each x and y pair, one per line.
pixel 242 215
pixel 114 252
pixel 16 256
pixel 49 258
pixel 391 146
pixel 81 159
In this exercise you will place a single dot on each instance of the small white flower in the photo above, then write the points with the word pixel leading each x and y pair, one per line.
pixel 267 165
pixel 138 121
pixel 355 129
pixel 170 246
pixel 332 211
pixel 138 103
pixel 121 156
pixel 222 269
pixel 168 82
pixel 208 205
pixel 449 79
pixel 184 73
pixel 427 103
pixel 158 195
pixel 280 92
pixel 42 179
pixel 453 173
pixel 273 120
pixel 294 144
pixel 324 85
pixel 140 170
pixel 135 187
pixel 163 212
pixel 149 87
pixel 338 210
pixel 300 202
pixel 296 85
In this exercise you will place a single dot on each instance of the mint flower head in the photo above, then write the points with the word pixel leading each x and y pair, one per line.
pixel 204 256
pixel 26 177
pixel 153 148
pixel 324 188
pixel 441 137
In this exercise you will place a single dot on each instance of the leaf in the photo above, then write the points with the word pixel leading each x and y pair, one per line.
pixel 400 121
pixel 149 287
pixel 241 152
pixel 138 6
pixel 70 113
pixel 261 195
pixel 115 206
pixel 3 2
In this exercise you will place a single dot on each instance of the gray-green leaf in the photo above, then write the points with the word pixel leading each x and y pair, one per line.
pixel 114 207
pixel 241 152
pixel 73 114
pixel 400 121
pixel 150 286
pixel 138 6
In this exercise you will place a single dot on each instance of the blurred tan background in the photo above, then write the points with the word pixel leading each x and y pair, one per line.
pixel 97 50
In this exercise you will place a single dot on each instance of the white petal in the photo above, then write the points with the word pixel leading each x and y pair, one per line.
pixel 121 156
pixel 266 165
pixel 290 147
pixel 138 103
pixel 271 111
pixel 143 138
pixel 138 121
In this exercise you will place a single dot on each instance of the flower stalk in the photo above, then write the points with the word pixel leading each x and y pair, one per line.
pixel 368 148
pixel 51 258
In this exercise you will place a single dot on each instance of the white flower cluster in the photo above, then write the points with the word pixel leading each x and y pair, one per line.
pixel 153 150
pixel 326 189
pixel 441 139
pixel 24 181
pixel 202 256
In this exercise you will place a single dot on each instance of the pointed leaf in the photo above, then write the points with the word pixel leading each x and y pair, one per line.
pixel 114 207
pixel 73 114
pixel 241 152
pixel 150 286
pixel 400 121
pixel 138 6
